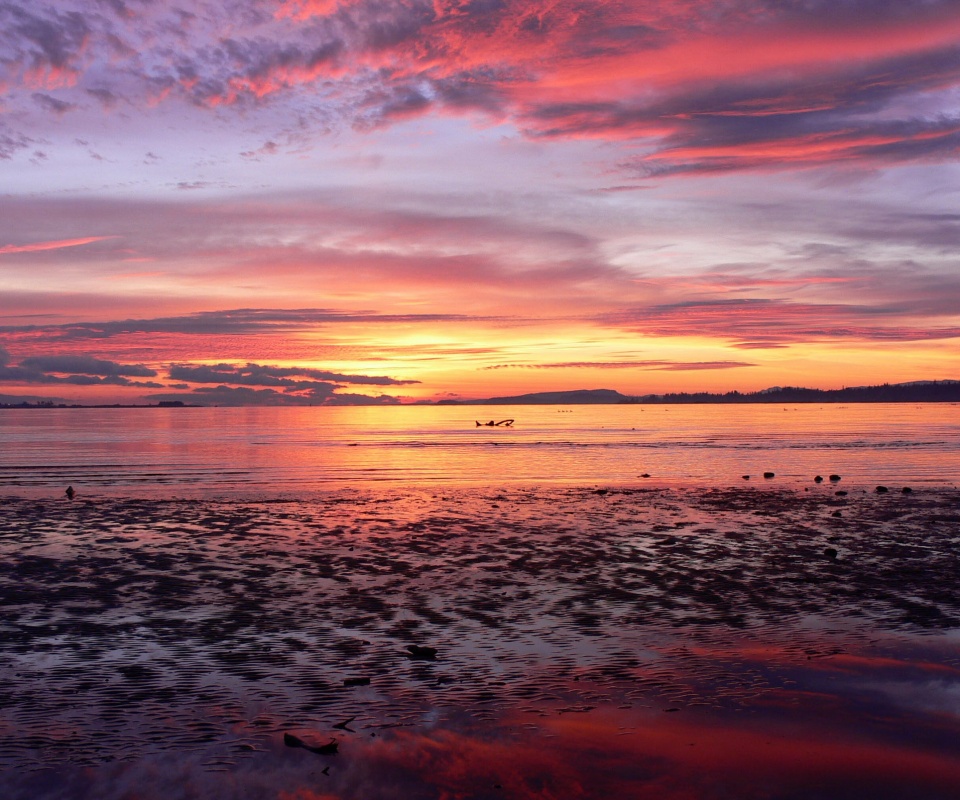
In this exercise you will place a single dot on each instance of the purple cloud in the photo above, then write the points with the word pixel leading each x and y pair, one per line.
pixel 223 395
pixel 86 365
pixel 262 375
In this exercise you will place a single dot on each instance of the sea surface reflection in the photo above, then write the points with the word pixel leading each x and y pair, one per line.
pixel 259 452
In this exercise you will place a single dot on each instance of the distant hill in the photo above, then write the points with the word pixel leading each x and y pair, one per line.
pixel 947 391
pixel 575 397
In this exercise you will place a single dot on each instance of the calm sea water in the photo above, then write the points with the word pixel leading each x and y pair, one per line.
pixel 285 451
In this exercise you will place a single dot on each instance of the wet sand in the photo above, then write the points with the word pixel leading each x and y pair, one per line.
pixel 750 642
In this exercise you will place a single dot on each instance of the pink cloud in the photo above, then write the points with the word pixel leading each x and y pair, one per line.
pixel 304 9
pixel 759 323
pixel 36 247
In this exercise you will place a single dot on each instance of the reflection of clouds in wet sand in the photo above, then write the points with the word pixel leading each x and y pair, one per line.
pixel 662 757
pixel 602 753
pixel 576 633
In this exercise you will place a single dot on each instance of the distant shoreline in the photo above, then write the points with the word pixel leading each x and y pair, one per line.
pixel 48 406
pixel 474 403
pixel 945 391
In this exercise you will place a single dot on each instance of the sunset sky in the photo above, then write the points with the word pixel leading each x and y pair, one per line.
pixel 313 201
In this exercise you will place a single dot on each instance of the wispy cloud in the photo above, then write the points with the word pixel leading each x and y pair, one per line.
pixel 320 394
pixel 52 104
pixel 644 365
pixel 244 321
pixel 755 324
pixel 263 375
pixel 38 247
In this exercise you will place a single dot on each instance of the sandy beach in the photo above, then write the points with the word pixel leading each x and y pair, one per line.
pixel 647 642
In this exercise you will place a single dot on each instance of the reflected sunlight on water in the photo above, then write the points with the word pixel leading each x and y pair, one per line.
pixel 277 450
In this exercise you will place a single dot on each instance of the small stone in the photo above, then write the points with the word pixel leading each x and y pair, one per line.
pixel 836 514
pixel 818 479
pixel 907 490
pixel 769 475
pixel 420 653
pixel 841 493
pixel 882 490
pixel 745 477
pixel 834 478
pixel 830 553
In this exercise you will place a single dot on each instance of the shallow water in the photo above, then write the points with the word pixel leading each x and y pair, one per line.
pixel 261 452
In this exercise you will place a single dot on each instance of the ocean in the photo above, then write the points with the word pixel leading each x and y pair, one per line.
pixel 264 452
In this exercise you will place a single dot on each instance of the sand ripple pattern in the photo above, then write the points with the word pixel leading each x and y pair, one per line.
pixel 130 627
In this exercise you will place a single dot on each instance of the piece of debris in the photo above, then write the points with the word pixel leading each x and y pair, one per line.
pixel 420 653
pixel 328 749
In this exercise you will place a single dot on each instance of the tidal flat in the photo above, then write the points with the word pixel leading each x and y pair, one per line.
pixel 750 642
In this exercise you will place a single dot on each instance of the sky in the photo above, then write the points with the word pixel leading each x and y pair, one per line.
pixel 371 202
